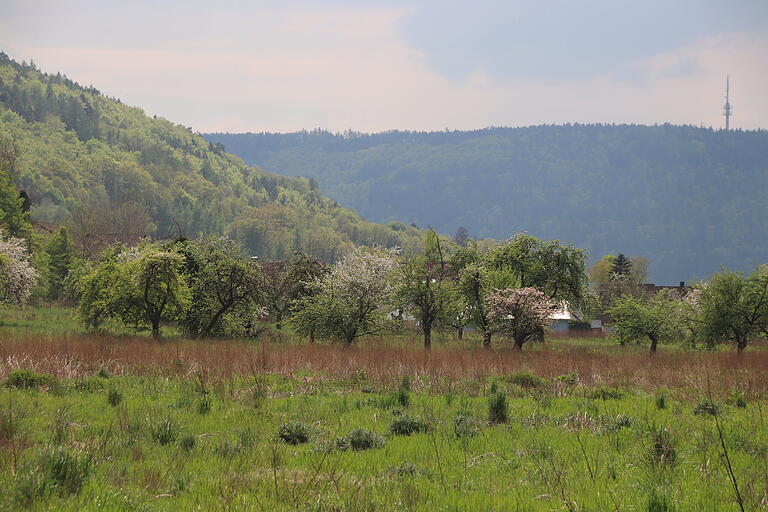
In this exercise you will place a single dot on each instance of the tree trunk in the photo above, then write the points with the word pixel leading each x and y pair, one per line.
pixel 654 342
pixel 487 339
pixel 427 336
pixel 278 325
pixel 208 328
pixel 312 336
pixel 460 331
pixel 519 343
pixel 155 328
pixel 741 344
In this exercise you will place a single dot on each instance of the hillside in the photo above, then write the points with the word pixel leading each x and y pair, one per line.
pixel 689 199
pixel 115 174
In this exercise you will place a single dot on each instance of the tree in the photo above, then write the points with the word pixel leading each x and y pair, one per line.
pixel 61 257
pixel 557 270
pixel 520 313
pixel 425 291
pixel 735 307
pixel 141 286
pixel 461 238
pixel 286 282
pixel 621 265
pixel 223 283
pixel 17 276
pixel 654 319
pixel 424 285
pixel 352 300
pixel 13 218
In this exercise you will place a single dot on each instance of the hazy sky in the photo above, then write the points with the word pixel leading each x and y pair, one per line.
pixel 374 65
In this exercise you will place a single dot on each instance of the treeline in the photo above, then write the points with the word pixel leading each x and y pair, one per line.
pixel 112 174
pixel 690 199
pixel 210 287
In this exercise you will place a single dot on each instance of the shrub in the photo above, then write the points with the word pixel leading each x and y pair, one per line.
pixel 204 405
pixel 164 430
pixel 406 425
pixel 103 373
pixel 26 379
pixel 706 408
pixel 403 396
pixel 661 401
pixel 526 379
pixel 360 439
pixel 498 410
pixel 188 442
pixel 67 470
pixel 465 426
pixel 662 449
pixel 88 385
pixel 619 422
pixel 569 379
pixel 606 393
pixel 659 503
pixel 737 398
pixel 294 432
pixel 114 397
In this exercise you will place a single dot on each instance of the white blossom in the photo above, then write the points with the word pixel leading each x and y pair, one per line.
pixel 17 276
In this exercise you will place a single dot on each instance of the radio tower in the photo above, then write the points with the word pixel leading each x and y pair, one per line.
pixel 727 111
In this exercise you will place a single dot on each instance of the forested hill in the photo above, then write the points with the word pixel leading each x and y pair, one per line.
pixel 689 199
pixel 114 174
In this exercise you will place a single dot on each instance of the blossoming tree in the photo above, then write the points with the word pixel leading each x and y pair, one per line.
pixel 519 313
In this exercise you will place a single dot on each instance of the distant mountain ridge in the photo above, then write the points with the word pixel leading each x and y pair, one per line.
pixel 690 199
pixel 118 174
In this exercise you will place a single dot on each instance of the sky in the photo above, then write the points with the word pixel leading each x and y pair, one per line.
pixel 374 65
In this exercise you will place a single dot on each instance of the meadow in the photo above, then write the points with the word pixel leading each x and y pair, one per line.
pixel 119 421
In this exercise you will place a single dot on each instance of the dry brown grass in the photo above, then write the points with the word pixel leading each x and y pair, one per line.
pixel 81 355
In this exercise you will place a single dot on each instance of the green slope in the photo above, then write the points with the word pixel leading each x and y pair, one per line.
pixel 105 167
pixel 689 199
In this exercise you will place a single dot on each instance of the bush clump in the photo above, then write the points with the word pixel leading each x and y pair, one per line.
pixel 26 379
pixel 164 430
pixel 114 397
pixel 294 432
pixel 526 379
pixel 606 393
pixel 661 401
pixel 360 439
pixel 67 470
pixel 406 425
pixel 498 410
pixel 663 450
pixel 465 426
pixel 188 442
pixel 706 408
pixel 737 399
pixel 89 385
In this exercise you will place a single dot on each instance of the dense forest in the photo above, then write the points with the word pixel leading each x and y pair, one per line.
pixel 111 173
pixel 689 199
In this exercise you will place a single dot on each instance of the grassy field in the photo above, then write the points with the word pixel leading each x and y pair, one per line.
pixel 114 422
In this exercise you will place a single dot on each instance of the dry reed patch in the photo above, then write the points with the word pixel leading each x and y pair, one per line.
pixel 79 355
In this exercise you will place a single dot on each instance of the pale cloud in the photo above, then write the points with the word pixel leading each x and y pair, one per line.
pixel 351 68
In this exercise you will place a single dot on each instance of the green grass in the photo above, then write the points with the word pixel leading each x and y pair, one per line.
pixel 69 448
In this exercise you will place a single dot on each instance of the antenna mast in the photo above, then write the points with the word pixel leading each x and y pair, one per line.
pixel 727 111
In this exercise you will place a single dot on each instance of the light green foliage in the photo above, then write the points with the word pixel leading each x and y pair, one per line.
pixel 142 286
pixel 114 174
pixel 635 319
pixel 13 218
pixel 734 307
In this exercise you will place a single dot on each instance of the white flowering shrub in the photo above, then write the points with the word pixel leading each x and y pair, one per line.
pixel 17 276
